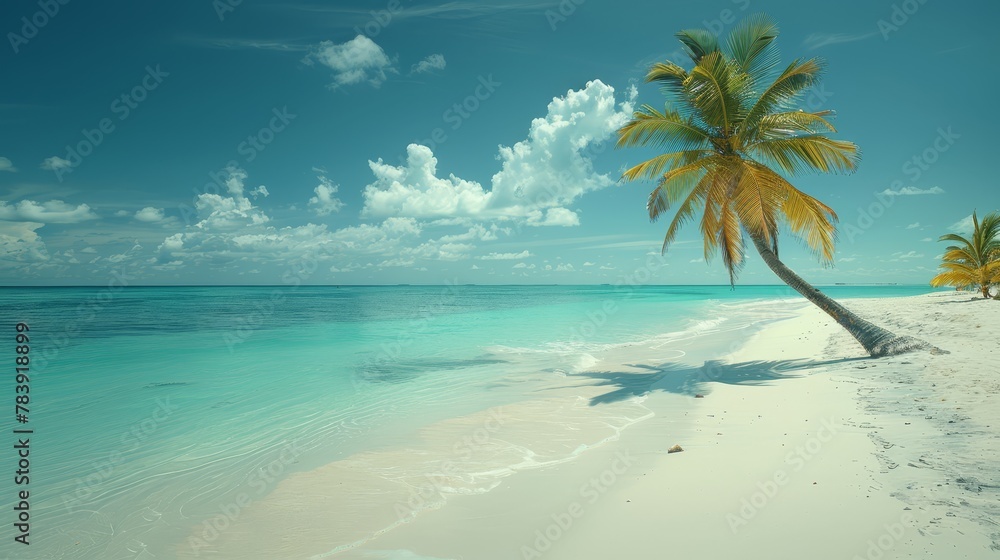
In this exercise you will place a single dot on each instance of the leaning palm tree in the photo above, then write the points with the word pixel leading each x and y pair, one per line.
pixel 729 134
pixel 975 261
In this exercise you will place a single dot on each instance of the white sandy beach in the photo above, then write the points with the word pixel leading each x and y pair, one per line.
pixel 801 448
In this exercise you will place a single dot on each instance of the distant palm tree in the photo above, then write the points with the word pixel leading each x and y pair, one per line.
pixel 731 126
pixel 974 262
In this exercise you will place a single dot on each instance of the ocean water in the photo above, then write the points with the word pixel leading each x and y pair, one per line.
pixel 155 409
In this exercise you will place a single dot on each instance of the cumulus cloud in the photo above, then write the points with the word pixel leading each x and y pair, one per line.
pixel 6 165
pixel 356 61
pixel 912 191
pixel 217 212
pixel 914 225
pixel 538 177
pixel 20 244
pixel 51 212
pixel 506 256
pixel 55 163
pixel 150 214
pixel 432 62
pixel 553 217
pixel 325 203
pixel 415 190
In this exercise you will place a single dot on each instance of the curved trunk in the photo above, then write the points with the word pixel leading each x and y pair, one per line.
pixel 877 341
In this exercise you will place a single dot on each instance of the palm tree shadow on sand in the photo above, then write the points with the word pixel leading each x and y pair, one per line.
pixel 683 379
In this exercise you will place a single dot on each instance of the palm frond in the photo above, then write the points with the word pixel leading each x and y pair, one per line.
pixel 793 123
pixel 716 89
pixel 656 167
pixel 757 201
pixel 811 220
pixel 799 75
pixel 698 43
pixel 730 241
pixel 809 153
pixel 669 129
pixel 687 209
pixel 669 75
pixel 750 44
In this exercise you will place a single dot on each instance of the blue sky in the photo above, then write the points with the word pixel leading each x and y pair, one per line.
pixel 429 142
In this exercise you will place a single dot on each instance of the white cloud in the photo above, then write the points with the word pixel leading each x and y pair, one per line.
pixel 553 217
pixel 927 239
pixel 6 165
pixel 563 267
pixel 543 173
pixel 607 267
pixel 88 250
pixel 123 213
pixel 524 266
pixel 150 214
pixel 416 191
pixel 912 191
pixel 908 255
pixel 552 166
pixel 506 256
pixel 432 62
pixel 698 260
pixel 588 263
pixel 51 212
pixel 325 203
pixel 474 267
pixel 848 259
pixel 964 226
pixel 914 225
pixel 217 212
pixel 20 244
pixel 358 60
pixel 55 163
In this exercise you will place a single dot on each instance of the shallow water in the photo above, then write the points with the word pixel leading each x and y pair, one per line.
pixel 156 409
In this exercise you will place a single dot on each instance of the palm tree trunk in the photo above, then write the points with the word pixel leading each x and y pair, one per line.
pixel 877 341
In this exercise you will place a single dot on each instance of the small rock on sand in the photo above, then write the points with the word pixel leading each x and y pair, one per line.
pixel 675 449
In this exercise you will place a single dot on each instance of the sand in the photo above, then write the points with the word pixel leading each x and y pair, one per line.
pixel 795 446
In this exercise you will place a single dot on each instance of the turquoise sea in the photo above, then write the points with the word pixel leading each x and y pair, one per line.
pixel 152 407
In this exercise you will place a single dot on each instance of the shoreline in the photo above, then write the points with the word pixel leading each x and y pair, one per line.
pixel 790 452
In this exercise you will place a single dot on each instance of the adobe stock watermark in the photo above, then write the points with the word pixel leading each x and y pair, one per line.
pixel 380 19
pixel 259 481
pixel 563 11
pixel 130 440
pixel 590 492
pixel 887 540
pixel 31 25
pixel 120 107
pixel 433 491
pixel 768 489
pixel 225 7
pixel 898 17
pixel 914 168
pixel 460 112
pixel 255 143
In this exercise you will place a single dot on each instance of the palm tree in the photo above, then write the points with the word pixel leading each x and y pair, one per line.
pixel 974 262
pixel 728 133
